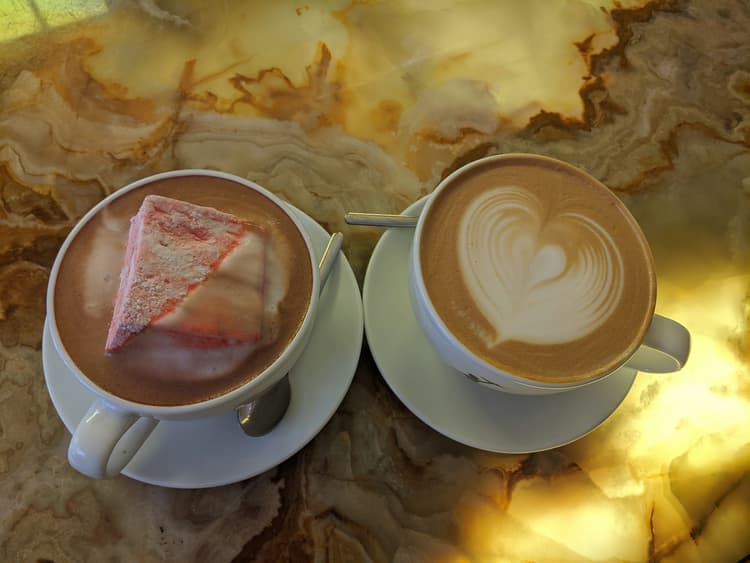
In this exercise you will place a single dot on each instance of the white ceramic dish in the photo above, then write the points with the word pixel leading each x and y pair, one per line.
pixel 442 397
pixel 214 451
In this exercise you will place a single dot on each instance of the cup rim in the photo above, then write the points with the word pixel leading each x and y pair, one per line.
pixel 157 411
pixel 455 342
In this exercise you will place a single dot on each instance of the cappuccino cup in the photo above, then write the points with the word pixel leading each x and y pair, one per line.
pixel 529 276
pixel 139 385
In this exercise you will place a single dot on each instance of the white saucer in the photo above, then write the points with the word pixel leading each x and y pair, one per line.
pixel 442 397
pixel 214 451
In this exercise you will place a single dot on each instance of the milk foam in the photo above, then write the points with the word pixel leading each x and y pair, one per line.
pixel 161 355
pixel 101 275
pixel 538 278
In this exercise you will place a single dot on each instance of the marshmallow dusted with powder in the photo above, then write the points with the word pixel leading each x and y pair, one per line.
pixel 194 273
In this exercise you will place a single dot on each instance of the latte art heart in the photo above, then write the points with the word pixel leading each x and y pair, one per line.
pixel 537 278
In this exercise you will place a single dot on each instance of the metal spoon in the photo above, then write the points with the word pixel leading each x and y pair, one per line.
pixel 381 219
pixel 260 416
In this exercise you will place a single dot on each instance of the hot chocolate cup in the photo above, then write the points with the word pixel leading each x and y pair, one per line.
pixel 114 428
pixel 489 312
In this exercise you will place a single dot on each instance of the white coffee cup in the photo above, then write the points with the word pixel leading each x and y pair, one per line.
pixel 665 347
pixel 113 429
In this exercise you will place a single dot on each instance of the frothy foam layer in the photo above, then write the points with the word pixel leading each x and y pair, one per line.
pixel 535 277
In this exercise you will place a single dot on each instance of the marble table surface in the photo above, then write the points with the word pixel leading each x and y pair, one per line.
pixel 338 106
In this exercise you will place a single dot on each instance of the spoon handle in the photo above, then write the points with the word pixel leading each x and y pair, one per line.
pixel 329 257
pixel 380 219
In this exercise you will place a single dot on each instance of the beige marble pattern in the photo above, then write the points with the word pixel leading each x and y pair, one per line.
pixel 338 106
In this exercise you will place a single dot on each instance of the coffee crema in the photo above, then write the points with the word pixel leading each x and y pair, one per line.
pixel 538 269
pixel 150 369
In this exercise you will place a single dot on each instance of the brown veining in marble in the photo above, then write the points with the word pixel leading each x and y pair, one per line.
pixel 366 106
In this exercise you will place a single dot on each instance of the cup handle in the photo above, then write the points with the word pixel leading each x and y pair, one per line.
pixel 665 348
pixel 92 448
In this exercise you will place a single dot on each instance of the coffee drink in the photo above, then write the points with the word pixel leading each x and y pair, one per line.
pixel 151 369
pixel 538 269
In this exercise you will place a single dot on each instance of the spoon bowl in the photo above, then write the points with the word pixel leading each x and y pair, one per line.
pixel 260 416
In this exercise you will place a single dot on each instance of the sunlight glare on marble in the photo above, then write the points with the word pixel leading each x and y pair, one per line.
pixel 19 20
pixel 24 17
pixel 705 394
